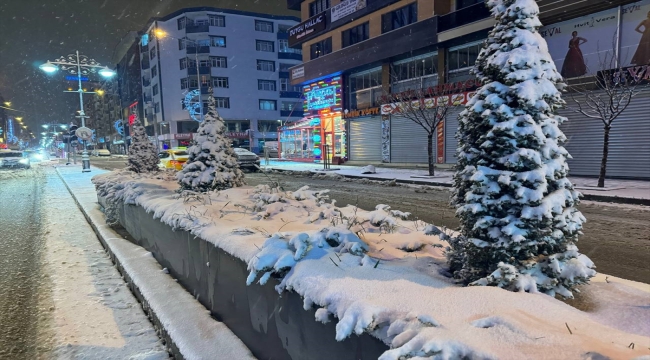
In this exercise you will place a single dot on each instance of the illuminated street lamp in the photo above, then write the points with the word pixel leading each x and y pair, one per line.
pixel 79 65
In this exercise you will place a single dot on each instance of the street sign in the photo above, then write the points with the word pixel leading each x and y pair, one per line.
pixel 84 133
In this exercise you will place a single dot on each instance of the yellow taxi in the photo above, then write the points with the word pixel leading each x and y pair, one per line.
pixel 174 158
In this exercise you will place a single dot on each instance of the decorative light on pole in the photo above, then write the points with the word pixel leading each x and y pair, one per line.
pixel 79 65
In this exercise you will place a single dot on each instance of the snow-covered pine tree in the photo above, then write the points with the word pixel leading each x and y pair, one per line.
pixel 143 156
pixel 212 164
pixel 517 209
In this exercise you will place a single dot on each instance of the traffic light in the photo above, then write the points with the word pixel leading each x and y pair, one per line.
pixel 70 136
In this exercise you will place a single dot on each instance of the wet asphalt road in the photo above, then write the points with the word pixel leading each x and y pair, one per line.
pixel 21 248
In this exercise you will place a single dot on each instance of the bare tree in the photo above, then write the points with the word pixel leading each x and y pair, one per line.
pixel 425 108
pixel 607 96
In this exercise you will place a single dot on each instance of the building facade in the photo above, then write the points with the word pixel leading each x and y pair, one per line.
pixel 378 47
pixel 243 56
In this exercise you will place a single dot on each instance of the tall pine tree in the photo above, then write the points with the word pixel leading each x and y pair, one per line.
pixel 212 164
pixel 143 156
pixel 517 209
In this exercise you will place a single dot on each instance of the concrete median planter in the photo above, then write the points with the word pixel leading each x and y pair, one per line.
pixel 273 326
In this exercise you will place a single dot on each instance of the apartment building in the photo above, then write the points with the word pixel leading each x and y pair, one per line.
pixel 243 56
pixel 355 51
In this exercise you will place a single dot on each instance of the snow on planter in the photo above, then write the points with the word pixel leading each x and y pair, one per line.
pixel 374 272
pixel 517 208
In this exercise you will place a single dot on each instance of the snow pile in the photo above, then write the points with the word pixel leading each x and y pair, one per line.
pixel 212 164
pixel 373 272
pixel 517 209
pixel 368 169
pixel 143 156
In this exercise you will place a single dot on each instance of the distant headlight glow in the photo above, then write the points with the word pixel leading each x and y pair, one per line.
pixel 24 161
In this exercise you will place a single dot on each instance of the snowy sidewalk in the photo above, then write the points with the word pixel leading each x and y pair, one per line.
pixel 186 323
pixel 624 191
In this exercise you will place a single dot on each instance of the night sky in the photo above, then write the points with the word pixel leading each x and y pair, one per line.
pixel 34 31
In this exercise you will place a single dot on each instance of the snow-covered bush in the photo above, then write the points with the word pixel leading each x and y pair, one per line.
pixel 143 156
pixel 517 208
pixel 212 164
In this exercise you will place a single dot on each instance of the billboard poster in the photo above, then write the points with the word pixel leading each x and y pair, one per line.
pixel 578 46
pixel 345 8
pixel 635 34
pixel 323 94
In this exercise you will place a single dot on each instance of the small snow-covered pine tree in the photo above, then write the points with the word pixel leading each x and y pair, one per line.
pixel 517 209
pixel 212 164
pixel 143 156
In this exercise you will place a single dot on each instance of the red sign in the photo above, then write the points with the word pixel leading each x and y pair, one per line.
pixel 440 135
pixel 237 135
pixel 131 119
pixel 187 136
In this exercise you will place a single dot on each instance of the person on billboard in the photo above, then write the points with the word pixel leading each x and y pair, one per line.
pixel 642 54
pixel 574 62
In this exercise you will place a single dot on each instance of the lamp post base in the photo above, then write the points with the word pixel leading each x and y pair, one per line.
pixel 85 161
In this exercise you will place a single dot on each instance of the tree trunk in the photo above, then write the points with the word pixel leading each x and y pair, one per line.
pixel 432 157
pixel 603 162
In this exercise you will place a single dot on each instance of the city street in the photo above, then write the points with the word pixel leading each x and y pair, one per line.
pixel 60 294
pixel 617 237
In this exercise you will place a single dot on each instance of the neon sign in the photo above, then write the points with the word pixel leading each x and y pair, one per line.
pixel 324 94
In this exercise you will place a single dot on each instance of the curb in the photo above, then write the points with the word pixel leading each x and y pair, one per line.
pixel 588 197
pixel 197 335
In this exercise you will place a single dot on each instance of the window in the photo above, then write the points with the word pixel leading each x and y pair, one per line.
pixel 205 63
pixel 262 45
pixel 283 28
pixel 465 3
pixel 219 61
pixel 154 71
pixel 152 53
pixel 217 20
pixel 355 35
pixel 318 7
pixel 463 57
pixel 399 18
pixel 181 44
pixel 184 83
pixel 320 48
pixel 183 63
pixel 222 102
pixel 283 47
pixel 220 82
pixel 419 66
pixel 285 85
pixel 155 90
pixel 268 85
pixel 182 22
pixel 265 26
pixel 201 22
pixel 218 41
pixel 194 83
pixel 290 105
pixel 265 65
pixel 267 126
pixel 268 104
pixel 157 107
pixel 205 80
pixel 285 67
pixel 364 88
pixel 232 126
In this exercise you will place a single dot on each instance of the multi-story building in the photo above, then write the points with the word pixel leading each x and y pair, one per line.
pixel 243 56
pixel 355 51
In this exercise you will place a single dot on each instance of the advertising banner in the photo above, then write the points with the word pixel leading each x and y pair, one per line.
pixel 308 28
pixel 579 46
pixel 635 34
pixel 345 8
pixel 324 94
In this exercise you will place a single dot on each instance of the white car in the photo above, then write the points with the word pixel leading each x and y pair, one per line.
pixel 14 159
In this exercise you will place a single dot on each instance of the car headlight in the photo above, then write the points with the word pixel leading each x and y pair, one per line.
pixel 24 161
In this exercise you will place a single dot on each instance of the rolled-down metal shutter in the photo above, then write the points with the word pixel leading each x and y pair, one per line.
pixel 451 126
pixel 408 141
pixel 629 141
pixel 365 139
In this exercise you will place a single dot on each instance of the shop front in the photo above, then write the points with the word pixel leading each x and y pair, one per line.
pixel 322 133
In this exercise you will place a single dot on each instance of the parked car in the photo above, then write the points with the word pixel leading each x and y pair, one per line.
pixel 247 159
pixel 14 159
pixel 173 159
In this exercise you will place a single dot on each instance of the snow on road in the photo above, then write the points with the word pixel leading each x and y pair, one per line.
pixel 94 315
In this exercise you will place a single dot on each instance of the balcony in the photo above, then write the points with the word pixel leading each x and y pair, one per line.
pixel 147 99
pixel 463 16
pixel 146 82
pixel 291 94
pixel 190 50
pixel 291 113
pixel 145 64
pixel 192 29
pixel 203 70
pixel 289 56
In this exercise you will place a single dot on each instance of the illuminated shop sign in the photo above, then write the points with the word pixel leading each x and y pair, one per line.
pixel 324 94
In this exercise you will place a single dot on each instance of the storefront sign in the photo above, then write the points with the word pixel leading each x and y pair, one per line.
pixel 312 26
pixel 440 142
pixel 354 113
pixel 324 94
pixel 187 136
pixel 345 8
pixel 297 73
pixel 429 103
pixel 237 135
pixel 632 74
